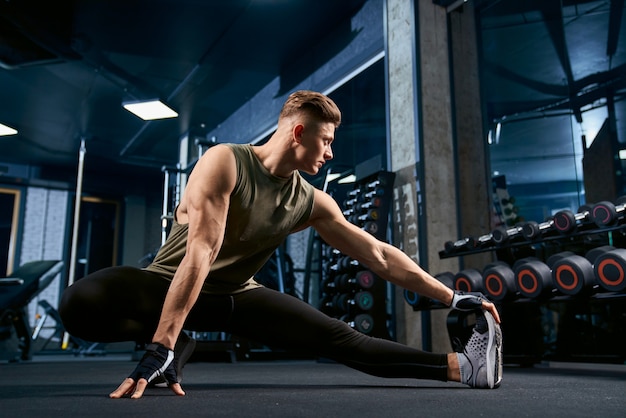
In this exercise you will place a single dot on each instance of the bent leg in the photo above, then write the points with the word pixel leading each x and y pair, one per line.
pixel 114 304
pixel 284 321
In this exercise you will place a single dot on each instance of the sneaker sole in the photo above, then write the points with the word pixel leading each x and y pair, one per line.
pixel 494 350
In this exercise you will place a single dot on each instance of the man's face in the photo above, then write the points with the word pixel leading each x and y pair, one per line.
pixel 316 140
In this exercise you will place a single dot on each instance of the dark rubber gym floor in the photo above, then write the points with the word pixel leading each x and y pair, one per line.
pixel 66 386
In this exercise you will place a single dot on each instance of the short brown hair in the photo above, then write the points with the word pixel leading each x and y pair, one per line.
pixel 315 104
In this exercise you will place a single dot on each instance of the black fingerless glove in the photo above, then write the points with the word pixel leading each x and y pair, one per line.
pixel 157 361
pixel 467 301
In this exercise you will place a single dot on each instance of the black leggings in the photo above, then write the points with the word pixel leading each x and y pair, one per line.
pixel 124 304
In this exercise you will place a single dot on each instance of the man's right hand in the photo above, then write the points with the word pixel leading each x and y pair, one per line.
pixel 469 301
pixel 157 361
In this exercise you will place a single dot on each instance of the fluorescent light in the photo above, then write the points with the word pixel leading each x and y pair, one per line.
pixel 348 179
pixel 150 110
pixel 622 154
pixel 6 130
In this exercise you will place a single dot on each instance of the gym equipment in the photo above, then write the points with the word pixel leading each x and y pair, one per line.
pixel 532 230
pixel 567 222
pixel 16 292
pixel 572 274
pixel 468 280
pixel 499 282
pixel 371 227
pixel 362 322
pixel 533 278
pixel 466 243
pixel 606 213
pixel 610 270
pixel 502 235
pixel 594 253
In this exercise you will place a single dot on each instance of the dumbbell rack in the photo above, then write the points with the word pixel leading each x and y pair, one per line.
pixel 349 290
pixel 560 285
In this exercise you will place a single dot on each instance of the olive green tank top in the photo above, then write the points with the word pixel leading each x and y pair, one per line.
pixel 263 210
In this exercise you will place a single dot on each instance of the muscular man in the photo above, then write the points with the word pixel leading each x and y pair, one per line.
pixel 240 203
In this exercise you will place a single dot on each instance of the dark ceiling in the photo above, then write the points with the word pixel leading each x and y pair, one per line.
pixel 66 67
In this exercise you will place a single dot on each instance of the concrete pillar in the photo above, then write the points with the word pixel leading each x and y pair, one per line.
pixel 423 150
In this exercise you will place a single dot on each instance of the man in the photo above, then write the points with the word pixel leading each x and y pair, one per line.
pixel 240 203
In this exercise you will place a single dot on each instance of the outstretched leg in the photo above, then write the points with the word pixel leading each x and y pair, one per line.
pixel 284 321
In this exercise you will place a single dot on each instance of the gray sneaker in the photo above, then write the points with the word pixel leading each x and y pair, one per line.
pixel 481 359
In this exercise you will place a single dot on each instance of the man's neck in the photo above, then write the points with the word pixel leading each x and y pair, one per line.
pixel 275 158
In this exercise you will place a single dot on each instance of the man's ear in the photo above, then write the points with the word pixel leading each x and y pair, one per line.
pixel 297 131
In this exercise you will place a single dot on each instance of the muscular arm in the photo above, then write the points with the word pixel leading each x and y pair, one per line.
pixel 383 259
pixel 204 207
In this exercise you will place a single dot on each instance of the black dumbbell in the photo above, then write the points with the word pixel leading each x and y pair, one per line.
pixel 353 193
pixel 502 235
pixel 499 281
pixel 363 323
pixel 363 300
pixel 533 278
pixel 370 215
pixel 376 183
pixel 606 213
pixel 572 274
pixel 371 204
pixel 374 193
pixel 365 279
pixel 468 280
pixel 462 244
pixel 347 283
pixel 566 221
pixel 371 227
pixel 345 263
pixel 610 270
pixel 532 230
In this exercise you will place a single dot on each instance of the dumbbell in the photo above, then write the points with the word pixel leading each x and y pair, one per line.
pixel 345 282
pixel 499 281
pixel 606 213
pixel 610 270
pixel 373 184
pixel 374 193
pixel 345 263
pixel 462 244
pixel 370 215
pixel 532 230
pixel 468 280
pixel 421 302
pixel 331 305
pixel 363 300
pixel 371 204
pixel 571 273
pixel 365 279
pixel 533 278
pixel 362 322
pixel 501 235
pixel 353 193
pixel 348 203
pixel 566 221
pixel 371 227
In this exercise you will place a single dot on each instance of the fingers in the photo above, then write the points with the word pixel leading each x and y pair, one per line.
pixel 129 387
pixel 126 387
pixel 136 390
pixel 139 389
pixel 177 389
pixel 488 306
